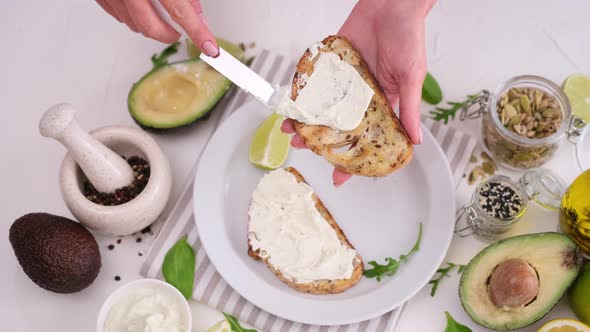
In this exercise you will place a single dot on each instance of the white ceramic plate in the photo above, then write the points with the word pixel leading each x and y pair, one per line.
pixel 379 216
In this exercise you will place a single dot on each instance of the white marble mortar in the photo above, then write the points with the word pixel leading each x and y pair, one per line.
pixel 134 215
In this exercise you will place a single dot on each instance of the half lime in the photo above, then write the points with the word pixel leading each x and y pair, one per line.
pixel 577 89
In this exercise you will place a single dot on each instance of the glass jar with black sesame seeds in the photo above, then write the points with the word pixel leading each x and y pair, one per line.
pixel 499 202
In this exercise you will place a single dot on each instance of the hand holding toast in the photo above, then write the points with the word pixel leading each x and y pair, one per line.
pixel 390 38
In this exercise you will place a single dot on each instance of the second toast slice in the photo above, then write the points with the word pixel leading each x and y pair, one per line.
pixel 320 286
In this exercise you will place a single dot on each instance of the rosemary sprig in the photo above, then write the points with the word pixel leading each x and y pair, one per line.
pixel 446 114
pixel 443 272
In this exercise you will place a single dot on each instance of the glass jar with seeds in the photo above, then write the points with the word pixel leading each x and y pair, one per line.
pixel 524 121
pixel 498 203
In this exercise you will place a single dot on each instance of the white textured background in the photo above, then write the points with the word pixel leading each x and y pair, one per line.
pixel 69 50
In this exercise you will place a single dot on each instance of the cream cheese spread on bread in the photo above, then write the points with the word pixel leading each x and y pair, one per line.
pixel 335 95
pixel 287 229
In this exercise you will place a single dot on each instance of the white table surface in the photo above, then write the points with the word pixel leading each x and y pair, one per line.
pixel 69 50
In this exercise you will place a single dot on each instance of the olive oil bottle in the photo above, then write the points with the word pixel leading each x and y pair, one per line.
pixel 575 212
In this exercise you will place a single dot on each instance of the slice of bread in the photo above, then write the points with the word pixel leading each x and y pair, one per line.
pixel 318 286
pixel 379 145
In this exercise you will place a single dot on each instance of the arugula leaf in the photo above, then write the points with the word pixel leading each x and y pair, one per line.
pixel 159 60
pixel 235 324
pixel 179 267
pixel 391 267
pixel 446 114
pixel 453 326
pixel 431 92
pixel 443 273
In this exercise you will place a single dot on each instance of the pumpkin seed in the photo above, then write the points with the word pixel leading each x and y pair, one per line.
pixel 530 113
pixel 522 110
pixel 489 167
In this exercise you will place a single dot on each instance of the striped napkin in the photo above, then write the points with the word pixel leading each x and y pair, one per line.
pixel 210 288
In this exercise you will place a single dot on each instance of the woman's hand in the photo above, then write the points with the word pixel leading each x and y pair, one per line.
pixel 390 37
pixel 141 16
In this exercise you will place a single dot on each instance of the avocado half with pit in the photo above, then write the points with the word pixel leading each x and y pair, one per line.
pixel 178 94
pixel 516 281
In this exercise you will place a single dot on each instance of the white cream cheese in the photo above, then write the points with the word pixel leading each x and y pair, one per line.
pixel 288 230
pixel 315 50
pixel 335 95
pixel 146 310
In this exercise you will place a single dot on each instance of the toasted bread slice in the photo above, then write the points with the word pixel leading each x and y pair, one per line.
pixel 318 286
pixel 379 145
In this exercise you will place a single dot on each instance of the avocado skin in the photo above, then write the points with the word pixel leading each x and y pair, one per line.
pixel 56 253
pixel 164 131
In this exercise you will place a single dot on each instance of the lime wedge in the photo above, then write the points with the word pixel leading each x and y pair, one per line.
pixel 270 146
pixel 577 89
pixel 221 326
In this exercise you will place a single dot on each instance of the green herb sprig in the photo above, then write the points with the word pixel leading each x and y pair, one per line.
pixel 235 324
pixel 179 267
pixel 454 326
pixel 159 60
pixel 448 113
pixel 392 265
pixel 443 272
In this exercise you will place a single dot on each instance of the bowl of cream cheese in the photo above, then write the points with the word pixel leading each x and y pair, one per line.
pixel 145 305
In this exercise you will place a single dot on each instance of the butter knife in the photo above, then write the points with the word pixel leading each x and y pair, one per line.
pixel 232 68
pixel 244 77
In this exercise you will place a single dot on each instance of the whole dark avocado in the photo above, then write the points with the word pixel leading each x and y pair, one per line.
pixel 57 253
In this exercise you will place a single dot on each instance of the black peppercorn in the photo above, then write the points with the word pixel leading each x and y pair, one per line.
pixel 141 174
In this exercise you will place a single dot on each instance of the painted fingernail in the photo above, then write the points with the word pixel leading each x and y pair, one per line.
pixel 419 135
pixel 209 48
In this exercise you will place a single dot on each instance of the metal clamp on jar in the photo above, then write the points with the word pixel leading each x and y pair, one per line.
pixel 524 120
pixel 499 202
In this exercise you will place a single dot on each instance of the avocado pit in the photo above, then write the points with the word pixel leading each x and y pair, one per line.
pixel 513 283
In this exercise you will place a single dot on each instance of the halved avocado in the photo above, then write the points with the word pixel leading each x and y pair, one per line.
pixel 176 94
pixel 516 281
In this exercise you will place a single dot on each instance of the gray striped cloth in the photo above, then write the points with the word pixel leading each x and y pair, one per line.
pixel 210 288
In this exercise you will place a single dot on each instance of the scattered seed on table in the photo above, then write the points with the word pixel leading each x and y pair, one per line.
pixel 140 254
pixel 138 240
pixel 111 247
pixel 117 278
pixel 119 241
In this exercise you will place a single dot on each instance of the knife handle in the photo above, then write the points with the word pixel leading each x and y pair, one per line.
pixel 166 17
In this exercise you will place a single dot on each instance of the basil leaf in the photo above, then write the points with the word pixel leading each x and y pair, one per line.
pixel 179 267
pixel 453 326
pixel 235 324
pixel 431 92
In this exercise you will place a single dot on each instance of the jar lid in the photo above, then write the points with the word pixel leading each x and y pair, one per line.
pixel 583 149
pixel 544 187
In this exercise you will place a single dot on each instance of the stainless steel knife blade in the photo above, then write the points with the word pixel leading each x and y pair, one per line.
pixel 241 75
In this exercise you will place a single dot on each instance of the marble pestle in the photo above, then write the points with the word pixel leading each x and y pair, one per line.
pixel 105 169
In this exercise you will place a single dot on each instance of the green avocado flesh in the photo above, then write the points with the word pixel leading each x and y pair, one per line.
pixel 176 94
pixel 553 256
